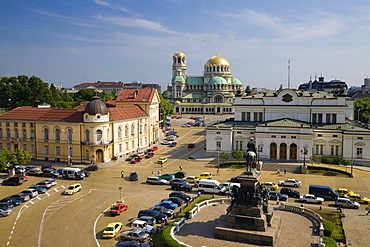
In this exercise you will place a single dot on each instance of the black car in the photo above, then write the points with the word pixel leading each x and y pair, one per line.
pixel 290 192
pixel 91 168
pixel 131 243
pixel 47 172
pixel 133 176
pixel 13 181
pixel 274 195
pixel 46 167
pixel 166 211
pixel 160 218
pixel 234 180
pixel 131 157
pixel 173 144
pixel 14 201
pixel 181 186
pixel 87 174
pixel 180 174
pixel 6 205
pixel 180 195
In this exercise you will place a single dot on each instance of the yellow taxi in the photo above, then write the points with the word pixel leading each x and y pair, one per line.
pixel 357 198
pixel 342 191
pixel 73 188
pixel 112 229
pixel 162 160
pixel 270 185
pixel 191 179
pixel 205 175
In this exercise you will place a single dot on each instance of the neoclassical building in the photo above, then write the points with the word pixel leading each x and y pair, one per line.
pixel 212 93
pixel 292 125
pixel 93 132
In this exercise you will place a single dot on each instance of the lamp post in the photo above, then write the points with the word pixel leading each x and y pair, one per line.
pixel 358 114
pixel 120 195
pixel 352 155
pixel 304 152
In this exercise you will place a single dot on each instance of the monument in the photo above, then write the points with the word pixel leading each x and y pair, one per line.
pixel 249 218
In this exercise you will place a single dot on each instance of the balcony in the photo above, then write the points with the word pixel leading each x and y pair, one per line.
pixel 98 143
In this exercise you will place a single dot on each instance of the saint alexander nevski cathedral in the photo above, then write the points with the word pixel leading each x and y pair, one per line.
pixel 212 93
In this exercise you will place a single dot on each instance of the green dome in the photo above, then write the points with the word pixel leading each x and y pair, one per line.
pixel 178 78
pixel 236 81
pixel 217 80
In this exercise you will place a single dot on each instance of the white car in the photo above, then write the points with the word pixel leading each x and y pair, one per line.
pixel 30 192
pixel 229 185
pixel 142 226
pixel 290 182
pixel 311 199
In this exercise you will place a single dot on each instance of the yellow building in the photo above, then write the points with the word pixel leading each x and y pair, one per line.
pixel 95 133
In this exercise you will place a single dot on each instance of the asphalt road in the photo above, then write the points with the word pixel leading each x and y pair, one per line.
pixel 54 219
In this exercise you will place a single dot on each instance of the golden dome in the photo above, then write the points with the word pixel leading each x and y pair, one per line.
pixel 178 102
pixel 217 60
pixel 179 54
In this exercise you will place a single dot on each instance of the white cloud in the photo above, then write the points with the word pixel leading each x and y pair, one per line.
pixel 112 6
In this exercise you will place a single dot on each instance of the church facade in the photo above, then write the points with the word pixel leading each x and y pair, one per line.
pixel 212 93
pixel 292 125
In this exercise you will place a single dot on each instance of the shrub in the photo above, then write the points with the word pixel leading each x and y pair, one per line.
pixel 328 228
pixel 346 162
pixel 329 242
pixel 330 160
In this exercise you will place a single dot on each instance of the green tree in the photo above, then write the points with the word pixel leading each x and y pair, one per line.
pixel 281 87
pixel 165 94
pixel 248 90
pixel 362 109
pixel 237 154
pixel 165 108
pixel 224 156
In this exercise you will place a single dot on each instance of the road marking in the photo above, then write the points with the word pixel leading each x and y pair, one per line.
pixel 96 220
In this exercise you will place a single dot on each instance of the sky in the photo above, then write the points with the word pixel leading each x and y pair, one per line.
pixel 71 42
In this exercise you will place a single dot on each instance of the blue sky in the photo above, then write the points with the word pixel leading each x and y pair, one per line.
pixel 70 42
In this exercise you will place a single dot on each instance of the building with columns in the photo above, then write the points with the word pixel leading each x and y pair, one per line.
pixel 212 93
pixel 292 125
pixel 93 132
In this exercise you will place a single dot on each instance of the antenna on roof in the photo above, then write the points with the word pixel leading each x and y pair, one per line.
pixel 289 73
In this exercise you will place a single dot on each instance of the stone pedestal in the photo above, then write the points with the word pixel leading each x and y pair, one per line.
pixel 250 218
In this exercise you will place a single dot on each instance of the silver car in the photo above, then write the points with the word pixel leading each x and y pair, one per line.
pixel 346 203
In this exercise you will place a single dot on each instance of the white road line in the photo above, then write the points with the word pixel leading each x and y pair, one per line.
pixel 96 220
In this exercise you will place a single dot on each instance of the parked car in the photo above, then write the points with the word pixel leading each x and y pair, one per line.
pixel 118 208
pixel 14 201
pixel 156 180
pixel 311 199
pixel 162 160
pixel 180 195
pixel 235 179
pixel 136 160
pixel 168 204
pixel 60 171
pixel 155 148
pixel 150 220
pixel 270 185
pixel 149 155
pixel 170 138
pixel 342 191
pixel 142 225
pixel 290 192
pixel 40 189
pixel 34 172
pixel 181 186
pixel 347 203
pixel 6 205
pixel 357 198
pixel 141 153
pixel 92 168
pixel 51 181
pixel 133 176
pixel 13 181
pixel 131 243
pixel 49 173
pixel 175 199
pixel 166 211
pixel 275 195
pixel 180 174
pixel 174 117
pixel 165 142
pixel 178 180
pixel 129 158
pixel 173 144
pixel 30 192
pixel 191 179
pixel 191 145
pixel 112 229
pixel 167 176
pixel 5 212
pixel 160 218
pixel 205 175
pixel 290 182
pixel 229 185
pixel 73 188
pixel 186 125
pixel 136 235
pixel 21 197
pixel 30 167
pixel 44 184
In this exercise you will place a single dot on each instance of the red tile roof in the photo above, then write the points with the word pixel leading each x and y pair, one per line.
pixel 125 112
pixel 136 95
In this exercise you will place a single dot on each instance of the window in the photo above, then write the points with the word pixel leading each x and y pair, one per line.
pixel 57 134
pixel 7 124
pixel 119 132
pixel 360 138
pixel 99 135
pixel 16 133
pixel 32 149
pixel 31 125
pixel 126 131
pixel 87 136
pixel 314 118
pixel 23 125
pixel 218 145
pixel 238 132
pixel 132 130
pixel 218 133
pixel 273 136
pixel 46 149
pixel 15 124
pixel 46 134
pixel 8 133
pixel 133 144
pixel 319 118
pixel 258 116
pixel 1 132
pixel 119 148
pixel 126 145
pixel 293 137
pixel 24 134
pixel 57 150
pixel 32 134
pixel 241 146
pixel 335 135
pixel 8 146
pixel 87 155
pixel 319 149
pixel 70 151
pixel 319 135
pixel 283 137
pixel 24 147
pixel 359 153
pixel 237 145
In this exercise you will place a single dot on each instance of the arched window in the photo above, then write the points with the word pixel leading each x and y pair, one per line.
pixel 57 134
pixel 24 134
pixel 32 134
pixel 99 135
pixel 126 130
pixel 119 132
pixel 87 135
pixel 132 130
pixel 1 132
pixel 69 135
pixel 16 133
pixel 218 99
pixel 46 134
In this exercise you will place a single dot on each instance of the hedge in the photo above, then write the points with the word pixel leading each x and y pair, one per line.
pixel 329 242
pixel 322 168
pixel 328 228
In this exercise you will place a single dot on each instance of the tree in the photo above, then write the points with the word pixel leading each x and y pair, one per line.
pixel 248 90
pixel 237 154
pixel 165 108
pixel 165 94
pixel 18 157
pixel 224 156
pixel 362 107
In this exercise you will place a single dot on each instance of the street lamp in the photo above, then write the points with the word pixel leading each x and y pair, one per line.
pixel 352 154
pixel 120 195
pixel 304 152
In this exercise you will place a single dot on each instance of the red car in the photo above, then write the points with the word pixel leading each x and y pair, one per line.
pixel 191 145
pixel 149 155
pixel 192 117
pixel 190 123
pixel 154 148
pixel 135 160
pixel 174 117
pixel 118 209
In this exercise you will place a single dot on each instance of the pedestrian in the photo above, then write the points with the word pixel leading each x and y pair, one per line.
pixel 13 171
pixel 122 174
pixel 159 172
pixel 152 173
pixel 218 171
pixel 112 206
pixel 284 172
pixel 368 210
pixel 278 172
pixel 180 166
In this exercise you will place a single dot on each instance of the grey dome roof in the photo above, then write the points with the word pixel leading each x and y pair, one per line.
pixel 96 106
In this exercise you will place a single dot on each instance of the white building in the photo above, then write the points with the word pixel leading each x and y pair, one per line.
pixel 284 124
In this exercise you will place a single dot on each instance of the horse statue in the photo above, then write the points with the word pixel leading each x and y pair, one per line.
pixel 251 156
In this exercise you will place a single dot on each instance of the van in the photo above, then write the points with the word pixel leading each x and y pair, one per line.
pixel 210 186
pixel 73 173
pixel 325 192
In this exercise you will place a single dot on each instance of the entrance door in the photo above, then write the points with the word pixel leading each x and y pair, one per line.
pixel 218 109
pixel 273 150
pixel 99 156
pixel 293 151
pixel 283 151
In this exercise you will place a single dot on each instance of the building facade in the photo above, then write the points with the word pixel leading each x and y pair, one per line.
pixel 338 86
pixel 292 125
pixel 212 93
pixel 97 133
